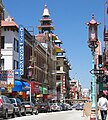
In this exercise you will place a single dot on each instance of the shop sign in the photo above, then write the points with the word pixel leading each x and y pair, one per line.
pixel 36 88
pixel 3 84
pixel 10 78
pixel 63 84
pixel 7 78
pixel 3 75
pixel 21 50
pixel 39 95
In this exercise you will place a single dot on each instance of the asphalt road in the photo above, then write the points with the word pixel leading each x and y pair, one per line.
pixel 63 115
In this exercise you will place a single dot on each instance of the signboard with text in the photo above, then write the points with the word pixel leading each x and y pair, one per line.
pixel 63 84
pixel 7 78
pixel 10 78
pixel 21 50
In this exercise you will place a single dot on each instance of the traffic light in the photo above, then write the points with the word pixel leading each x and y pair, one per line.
pixel 100 61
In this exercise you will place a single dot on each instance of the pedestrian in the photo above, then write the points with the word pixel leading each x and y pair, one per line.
pixel 103 106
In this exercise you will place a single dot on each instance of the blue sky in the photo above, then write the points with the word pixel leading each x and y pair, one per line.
pixel 69 18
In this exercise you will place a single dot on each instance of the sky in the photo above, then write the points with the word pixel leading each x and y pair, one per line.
pixel 69 18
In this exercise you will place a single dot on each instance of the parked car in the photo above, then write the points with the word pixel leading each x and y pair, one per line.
pixel 68 106
pixel 80 107
pixel 30 108
pixel 75 105
pixel 6 108
pixel 63 106
pixel 56 107
pixel 19 108
pixel 44 107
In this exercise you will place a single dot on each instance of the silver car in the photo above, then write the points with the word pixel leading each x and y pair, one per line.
pixel 6 108
pixel 19 108
pixel 30 108
pixel 56 107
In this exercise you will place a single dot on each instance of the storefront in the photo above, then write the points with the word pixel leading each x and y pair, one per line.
pixel 20 89
pixel 43 93
pixel 35 87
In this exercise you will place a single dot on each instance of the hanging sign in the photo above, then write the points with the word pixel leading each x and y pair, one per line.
pixel 21 50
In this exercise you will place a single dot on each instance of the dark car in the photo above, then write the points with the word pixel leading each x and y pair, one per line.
pixel 30 107
pixel 18 105
pixel 6 108
pixel 44 107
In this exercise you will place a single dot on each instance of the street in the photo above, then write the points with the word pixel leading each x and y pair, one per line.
pixel 63 115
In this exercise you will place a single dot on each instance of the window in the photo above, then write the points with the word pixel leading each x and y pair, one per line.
pixel 15 64
pixel 2 42
pixel 2 64
pixel 15 44
pixel 58 68
pixel 58 77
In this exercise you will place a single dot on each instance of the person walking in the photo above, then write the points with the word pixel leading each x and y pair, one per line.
pixel 103 106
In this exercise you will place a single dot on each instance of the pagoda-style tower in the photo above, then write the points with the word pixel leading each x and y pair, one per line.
pixel 46 38
pixel 45 22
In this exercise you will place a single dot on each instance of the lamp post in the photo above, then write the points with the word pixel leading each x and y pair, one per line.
pixel 92 43
pixel 30 73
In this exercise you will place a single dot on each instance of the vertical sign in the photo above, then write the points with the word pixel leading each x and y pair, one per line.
pixel 63 84
pixel 21 50
pixel 10 78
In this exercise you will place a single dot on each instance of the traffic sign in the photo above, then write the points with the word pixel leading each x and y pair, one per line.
pixel 97 71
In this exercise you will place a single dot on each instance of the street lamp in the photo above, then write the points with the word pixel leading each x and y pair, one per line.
pixel 30 73
pixel 92 44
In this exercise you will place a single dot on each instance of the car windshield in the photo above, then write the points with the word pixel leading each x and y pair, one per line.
pixel 75 105
pixel 12 100
pixel 18 100
pixel 26 103
pixel 43 104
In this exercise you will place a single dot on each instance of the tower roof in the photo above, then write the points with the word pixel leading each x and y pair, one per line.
pixel 46 12
pixel 93 21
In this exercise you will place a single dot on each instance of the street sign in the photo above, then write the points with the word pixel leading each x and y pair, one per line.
pixel 97 71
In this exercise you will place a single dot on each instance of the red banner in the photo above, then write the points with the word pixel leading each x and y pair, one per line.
pixel 63 84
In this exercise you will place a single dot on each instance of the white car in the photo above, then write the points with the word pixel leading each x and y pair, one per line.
pixel 55 107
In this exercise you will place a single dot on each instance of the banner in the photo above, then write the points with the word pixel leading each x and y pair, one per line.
pixel 21 50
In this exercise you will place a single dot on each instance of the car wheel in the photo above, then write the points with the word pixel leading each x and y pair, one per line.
pixel 24 113
pixel 6 115
pixel 19 114
pixel 32 112
pixel 36 113
pixel 13 114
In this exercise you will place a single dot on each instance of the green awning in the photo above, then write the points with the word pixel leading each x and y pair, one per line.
pixel 45 90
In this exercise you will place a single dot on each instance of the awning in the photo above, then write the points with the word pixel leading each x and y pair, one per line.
pixel 20 86
pixel 2 89
pixel 40 89
pixel 25 86
pixel 17 86
pixel 45 90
